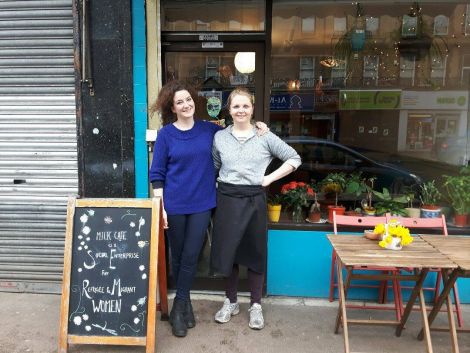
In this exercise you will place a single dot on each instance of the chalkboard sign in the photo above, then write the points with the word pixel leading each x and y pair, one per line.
pixel 111 255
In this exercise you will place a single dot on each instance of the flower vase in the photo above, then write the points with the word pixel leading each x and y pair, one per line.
pixel 395 244
pixel 297 215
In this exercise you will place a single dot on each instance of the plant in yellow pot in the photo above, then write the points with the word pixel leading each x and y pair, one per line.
pixel 274 207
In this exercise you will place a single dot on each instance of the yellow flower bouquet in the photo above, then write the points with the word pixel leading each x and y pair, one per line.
pixel 394 235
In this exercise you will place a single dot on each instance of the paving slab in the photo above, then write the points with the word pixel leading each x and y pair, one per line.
pixel 29 323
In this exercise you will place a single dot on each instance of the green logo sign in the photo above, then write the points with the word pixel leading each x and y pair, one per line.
pixel 368 100
pixel 462 100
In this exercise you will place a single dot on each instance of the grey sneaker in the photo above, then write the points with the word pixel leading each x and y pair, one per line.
pixel 227 311
pixel 256 317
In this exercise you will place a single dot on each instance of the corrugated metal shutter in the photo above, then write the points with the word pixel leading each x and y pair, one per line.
pixel 38 144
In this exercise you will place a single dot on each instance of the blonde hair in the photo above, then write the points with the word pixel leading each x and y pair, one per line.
pixel 240 92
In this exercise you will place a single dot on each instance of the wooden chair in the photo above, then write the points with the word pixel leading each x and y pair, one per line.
pixel 363 222
pixel 427 223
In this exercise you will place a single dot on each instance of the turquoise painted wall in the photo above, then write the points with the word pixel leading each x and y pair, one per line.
pixel 139 69
pixel 299 265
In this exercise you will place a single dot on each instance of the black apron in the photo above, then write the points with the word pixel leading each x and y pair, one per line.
pixel 240 229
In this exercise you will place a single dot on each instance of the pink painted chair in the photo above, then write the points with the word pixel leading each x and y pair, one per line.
pixel 425 223
pixel 363 222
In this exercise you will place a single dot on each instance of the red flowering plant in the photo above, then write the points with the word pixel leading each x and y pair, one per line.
pixel 296 195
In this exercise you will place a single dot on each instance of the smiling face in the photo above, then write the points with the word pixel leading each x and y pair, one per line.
pixel 183 105
pixel 241 109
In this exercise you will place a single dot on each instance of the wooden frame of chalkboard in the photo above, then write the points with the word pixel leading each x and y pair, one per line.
pixel 113 251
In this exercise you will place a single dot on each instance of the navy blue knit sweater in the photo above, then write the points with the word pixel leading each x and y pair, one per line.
pixel 182 164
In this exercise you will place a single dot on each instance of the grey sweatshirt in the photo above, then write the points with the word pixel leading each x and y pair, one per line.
pixel 245 163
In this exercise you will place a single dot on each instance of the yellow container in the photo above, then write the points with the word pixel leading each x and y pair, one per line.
pixel 274 212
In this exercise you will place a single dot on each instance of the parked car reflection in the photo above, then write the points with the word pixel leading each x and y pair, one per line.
pixel 453 150
pixel 321 157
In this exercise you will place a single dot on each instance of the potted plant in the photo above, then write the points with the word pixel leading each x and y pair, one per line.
pixel 358 185
pixel 430 196
pixel 394 236
pixel 413 212
pixel 274 207
pixel 314 214
pixel 395 205
pixel 334 183
pixel 296 195
pixel 458 192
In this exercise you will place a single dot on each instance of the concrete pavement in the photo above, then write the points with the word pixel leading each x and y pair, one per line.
pixel 29 323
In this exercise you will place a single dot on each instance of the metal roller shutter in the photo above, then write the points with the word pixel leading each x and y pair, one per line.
pixel 38 141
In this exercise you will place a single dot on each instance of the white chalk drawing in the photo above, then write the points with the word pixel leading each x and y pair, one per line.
pixel 84 218
pixel 80 237
pixel 77 320
pixel 142 243
pixel 79 269
pixel 85 317
pixel 134 308
pixel 128 213
pixel 141 301
pixel 86 230
pixel 79 309
pixel 79 248
pixel 144 276
pixel 140 319
pixel 88 328
pixel 141 267
pixel 91 212
pixel 141 223
pixel 89 267
pixel 108 220
pixel 113 332
pixel 132 224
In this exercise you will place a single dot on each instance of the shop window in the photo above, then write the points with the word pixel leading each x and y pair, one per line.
pixel 307 71
pixel 212 67
pixel 370 73
pixel 438 69
pixel 467 20
pixel 308 25
pixel 407 71
pixel 221 16
pixel 339 25
pixel 372 25
pixel 338 74
pixel 465 77
pixel 441 25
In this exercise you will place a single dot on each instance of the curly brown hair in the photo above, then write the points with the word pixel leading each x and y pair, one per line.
pixel 164 101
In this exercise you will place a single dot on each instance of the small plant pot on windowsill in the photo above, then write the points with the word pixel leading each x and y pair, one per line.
pixel 460 220
pixel 430 211
pixel 274 212
pixel 339 211
pixel 413 212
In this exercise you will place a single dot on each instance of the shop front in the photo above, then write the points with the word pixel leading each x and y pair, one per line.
pixel 350 86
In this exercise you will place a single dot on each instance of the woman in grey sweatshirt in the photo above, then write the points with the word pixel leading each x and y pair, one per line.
pixel 240 222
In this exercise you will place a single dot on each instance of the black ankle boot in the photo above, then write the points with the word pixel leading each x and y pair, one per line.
pixel 189 315
pixel 177 321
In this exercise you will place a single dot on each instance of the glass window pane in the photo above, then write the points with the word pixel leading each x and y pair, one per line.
pixel 196 15
pixel 363 93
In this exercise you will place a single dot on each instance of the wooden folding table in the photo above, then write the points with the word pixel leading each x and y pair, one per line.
pixel 457 249
pixel 355 251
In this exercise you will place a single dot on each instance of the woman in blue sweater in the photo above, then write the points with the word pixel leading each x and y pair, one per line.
pixel 183 173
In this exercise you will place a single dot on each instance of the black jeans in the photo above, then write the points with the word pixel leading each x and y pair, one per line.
pixel 186 235
pixel 255 281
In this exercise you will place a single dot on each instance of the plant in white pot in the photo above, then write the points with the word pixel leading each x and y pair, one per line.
pixel 430 197
pixel 413 212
